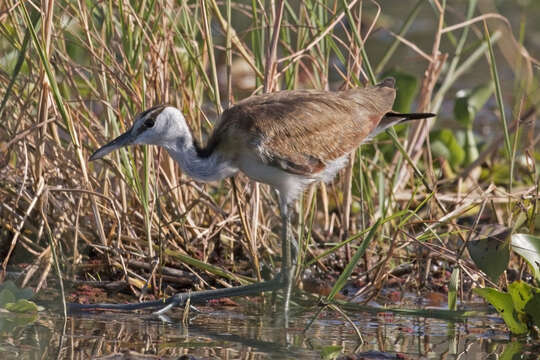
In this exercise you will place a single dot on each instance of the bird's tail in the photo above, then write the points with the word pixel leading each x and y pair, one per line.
pixel 393 118
pixel 409 116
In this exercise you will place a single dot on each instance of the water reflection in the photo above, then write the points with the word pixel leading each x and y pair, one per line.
pixel 233 334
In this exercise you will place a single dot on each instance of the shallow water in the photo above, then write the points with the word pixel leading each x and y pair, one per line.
pixel 232 333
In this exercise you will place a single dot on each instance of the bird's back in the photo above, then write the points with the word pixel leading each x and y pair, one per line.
pixel 301 131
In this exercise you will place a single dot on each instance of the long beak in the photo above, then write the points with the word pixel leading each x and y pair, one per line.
pixel 121 141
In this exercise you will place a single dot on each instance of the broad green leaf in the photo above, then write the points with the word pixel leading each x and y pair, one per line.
pixel 331 352
pixel 498 173
pixel 526 298
pixel 9 285
pixel 521 294
pixel 452 289
pixel 22 306
pixel 528 246
pixel 489 250
pixel 480 95
pixel 466 106
pixel 520 219
pixel 407 89
pixel 512 351
pixel 469 102
pixel 445 145
pixel 6 297
pixel 9 292
pixel 533 308
pixel 502 302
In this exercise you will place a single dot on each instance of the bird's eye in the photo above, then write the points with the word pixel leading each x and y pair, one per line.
pixel 149 122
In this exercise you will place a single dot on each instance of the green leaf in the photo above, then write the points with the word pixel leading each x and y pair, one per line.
pixel 521 294
pixel 444 144
pixel 466 106
pixel 331 352
pixel 528 246
pixel 512 351
pixel 504 305
pixel 526 299
pixel 9 292
pixel 490 251
pixel 452 289
pixel 6 296
pixel 498 92
pixel 480 95
pixel 533 308
pixel 469 102
pixel 9 285
pixel 498 173
pixel 407 89
pixel 23 306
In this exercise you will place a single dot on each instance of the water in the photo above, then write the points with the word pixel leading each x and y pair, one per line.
pixel 234 333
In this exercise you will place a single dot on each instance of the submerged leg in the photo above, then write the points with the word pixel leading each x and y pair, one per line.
pixel 288 254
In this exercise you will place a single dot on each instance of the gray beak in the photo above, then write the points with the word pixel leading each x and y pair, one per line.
pixel 121 141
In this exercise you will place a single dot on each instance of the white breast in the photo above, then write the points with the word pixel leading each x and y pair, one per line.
pixel 290 186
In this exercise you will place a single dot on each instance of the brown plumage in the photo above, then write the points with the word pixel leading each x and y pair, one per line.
pixel 301 131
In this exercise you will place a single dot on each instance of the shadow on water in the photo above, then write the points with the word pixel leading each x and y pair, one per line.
pixel 233 333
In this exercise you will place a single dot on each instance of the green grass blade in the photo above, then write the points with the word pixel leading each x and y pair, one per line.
pixel 16 70
pixel 343 278
pixel 498 93
pixel 365 60
pixel 207 267
pixel 404 28
pixel 453 287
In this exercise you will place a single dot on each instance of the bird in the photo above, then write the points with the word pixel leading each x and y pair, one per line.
pixel 287 139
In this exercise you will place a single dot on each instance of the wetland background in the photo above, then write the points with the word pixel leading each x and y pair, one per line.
pixel 73 74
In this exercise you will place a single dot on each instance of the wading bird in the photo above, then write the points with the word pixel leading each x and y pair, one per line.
pixel 286 139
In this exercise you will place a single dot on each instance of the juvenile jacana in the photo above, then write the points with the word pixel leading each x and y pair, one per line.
pixel 286 139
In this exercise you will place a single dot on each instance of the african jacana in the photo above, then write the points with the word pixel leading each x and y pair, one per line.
pixel 286 139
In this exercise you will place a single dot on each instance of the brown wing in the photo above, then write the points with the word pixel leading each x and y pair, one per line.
pixel 300 131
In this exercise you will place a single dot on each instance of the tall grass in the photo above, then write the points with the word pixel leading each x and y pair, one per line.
pixel 74 73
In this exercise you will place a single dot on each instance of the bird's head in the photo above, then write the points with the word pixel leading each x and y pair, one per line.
pixel 159 125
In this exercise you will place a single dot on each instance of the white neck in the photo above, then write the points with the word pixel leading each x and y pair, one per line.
pixel 211 168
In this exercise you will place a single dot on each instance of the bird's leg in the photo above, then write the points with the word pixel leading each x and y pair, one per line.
pixel 288 254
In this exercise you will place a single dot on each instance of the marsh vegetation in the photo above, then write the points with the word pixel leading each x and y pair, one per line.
pixel 450 204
